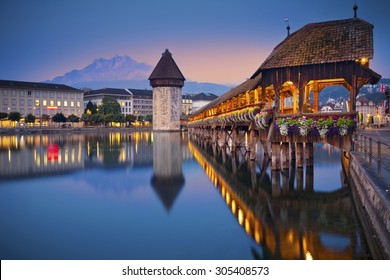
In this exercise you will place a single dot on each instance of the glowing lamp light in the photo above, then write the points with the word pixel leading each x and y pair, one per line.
pixel 51 107
pixel 309 257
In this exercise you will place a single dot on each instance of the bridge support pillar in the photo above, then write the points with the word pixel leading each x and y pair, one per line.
pixel 292 151
pixel 252 145
pixel 285 155
pixel 299 179
pixel 234 139
pixel 275 160
pixel 309 151
pixel 309 178
pixel 223 138
pixel 299 155
pixel 275 180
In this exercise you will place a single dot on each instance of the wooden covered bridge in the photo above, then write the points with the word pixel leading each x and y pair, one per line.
pixel 278 105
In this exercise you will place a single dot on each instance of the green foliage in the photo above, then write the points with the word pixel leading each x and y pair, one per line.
pixel 149 118
pixel 109 106
pixel 3 115
pixel 130 118
pixel 45 117
pixel 97 118
pixel 30 118
pixel 110 110
pixel 14 116
pixel 86 118
pixel 73 118
pixel 59 118
pixel 91 108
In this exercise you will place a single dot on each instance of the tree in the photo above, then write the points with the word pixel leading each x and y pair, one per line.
pixel 109 106
pixel 45 117
pixel 30 118
pixel 86 118
pixel 59 118
pixel 130 118
pixel 149 118
pixel 91 108
pixel 110 110
pixel 97 118
pixel 14 116
pixel 3 115
pixel 73 118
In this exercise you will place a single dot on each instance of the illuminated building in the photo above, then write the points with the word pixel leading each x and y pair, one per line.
pixel 133 101
pixel 40 98
pixel 369 112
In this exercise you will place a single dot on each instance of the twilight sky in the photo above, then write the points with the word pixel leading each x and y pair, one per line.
pixel 222 41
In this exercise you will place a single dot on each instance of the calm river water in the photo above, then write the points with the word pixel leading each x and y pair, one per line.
pixel 161 196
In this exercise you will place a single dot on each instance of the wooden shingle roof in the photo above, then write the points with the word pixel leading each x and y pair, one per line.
pixel 323 42
pixel 249 84
pixel 166 68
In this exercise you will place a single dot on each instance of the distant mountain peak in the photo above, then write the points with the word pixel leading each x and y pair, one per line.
pixel 107 69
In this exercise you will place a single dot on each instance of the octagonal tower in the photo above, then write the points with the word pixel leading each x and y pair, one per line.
pixel 167 82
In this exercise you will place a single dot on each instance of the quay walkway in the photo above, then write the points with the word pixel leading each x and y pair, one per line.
pixel 370 175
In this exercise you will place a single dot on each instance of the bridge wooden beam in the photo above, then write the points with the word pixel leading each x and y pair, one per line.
pixel 299 155
pixel 275 157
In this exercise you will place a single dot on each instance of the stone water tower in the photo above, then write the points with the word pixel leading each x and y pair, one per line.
pixel 167 82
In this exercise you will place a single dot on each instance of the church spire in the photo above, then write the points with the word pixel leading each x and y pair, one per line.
pixel 355 7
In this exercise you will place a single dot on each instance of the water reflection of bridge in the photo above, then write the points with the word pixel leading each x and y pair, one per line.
pixel 288 223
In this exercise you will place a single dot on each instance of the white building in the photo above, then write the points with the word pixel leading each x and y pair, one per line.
pixel 136 102
pixel 40 98
pixel 370 113
pixel 201 99
pixel 186 105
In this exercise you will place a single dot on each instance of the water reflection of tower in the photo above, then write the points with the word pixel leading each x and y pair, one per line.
pixel 167 178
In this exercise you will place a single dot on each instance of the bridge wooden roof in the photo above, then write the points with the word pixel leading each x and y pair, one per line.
pixel 323 42
pixel 324 50
pixel 249 84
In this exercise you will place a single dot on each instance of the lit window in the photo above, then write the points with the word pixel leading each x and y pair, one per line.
pixel 66 103
pixel 44 102
pixel 71 103
pixel 78 104
pixel 58 103
pixel 37 103
pixel 51 102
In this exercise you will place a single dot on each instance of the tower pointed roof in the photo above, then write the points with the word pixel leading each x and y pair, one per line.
pixel 166 68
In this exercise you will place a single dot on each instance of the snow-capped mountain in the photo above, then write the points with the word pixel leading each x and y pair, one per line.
pixel 125 72
pixel 103 69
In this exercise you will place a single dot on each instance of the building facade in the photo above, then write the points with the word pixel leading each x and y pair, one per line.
pixel 370 113
pixel 40 98
pixel 132 101
pixel 186 105
pixel 201 99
